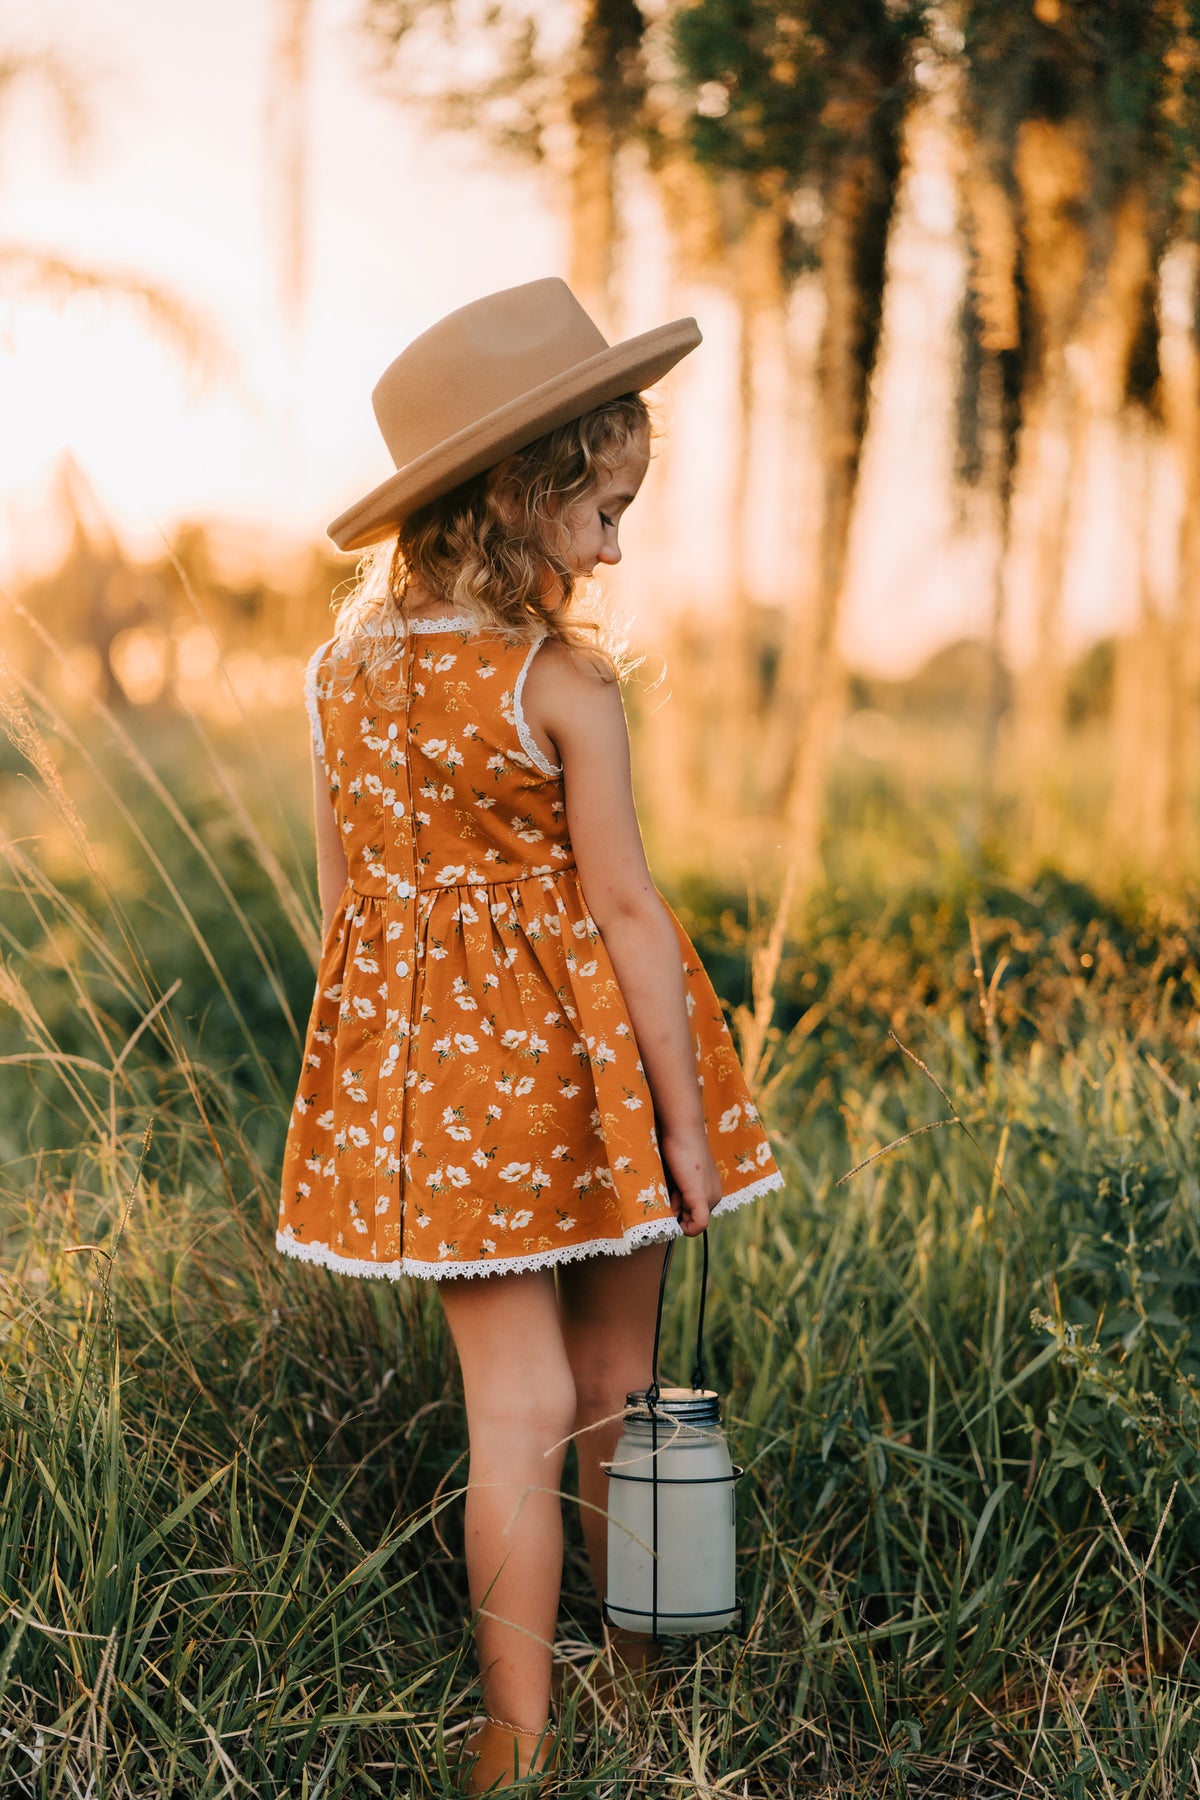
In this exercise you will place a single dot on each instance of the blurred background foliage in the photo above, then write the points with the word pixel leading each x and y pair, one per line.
pixel 778 138
pixel 776 142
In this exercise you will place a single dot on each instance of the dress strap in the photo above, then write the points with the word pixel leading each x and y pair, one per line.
pixel 528 742
pixel 310 698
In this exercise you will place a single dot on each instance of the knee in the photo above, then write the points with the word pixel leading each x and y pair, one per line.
pixel 603 1381
pixel 539 1414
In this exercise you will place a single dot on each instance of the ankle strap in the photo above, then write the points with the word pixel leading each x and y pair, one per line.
pixel 520 1730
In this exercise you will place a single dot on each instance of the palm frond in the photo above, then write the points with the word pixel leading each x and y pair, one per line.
pixel 29 271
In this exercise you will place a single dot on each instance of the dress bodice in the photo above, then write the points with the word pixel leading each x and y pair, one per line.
pixel 437 781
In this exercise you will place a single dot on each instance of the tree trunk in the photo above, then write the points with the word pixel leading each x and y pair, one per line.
pixel 859 201
pixel 289 148
pixel 1052 173
pixel 990 228
pixel 1048 466
pixel 754 231
pixel 997 485
pixel 1182 699
pixel 592 206
pixel 1180 316
pixel 1136 805
pixel 795 343
pixel 601 89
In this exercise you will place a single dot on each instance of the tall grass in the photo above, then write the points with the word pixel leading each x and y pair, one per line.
pixel 965 1382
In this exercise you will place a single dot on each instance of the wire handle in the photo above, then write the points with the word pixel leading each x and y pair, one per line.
pixel 654 1394
pixel 699 1376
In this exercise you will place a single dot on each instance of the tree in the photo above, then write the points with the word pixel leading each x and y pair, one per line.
pixel 1070 171
pixel 93 588
pixel 808 102
pixel 289 148
pixel 559 89
pixel 775 133
pixel 32 270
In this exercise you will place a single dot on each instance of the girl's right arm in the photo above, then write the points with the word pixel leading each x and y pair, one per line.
pixel 332 868
pixel 579 709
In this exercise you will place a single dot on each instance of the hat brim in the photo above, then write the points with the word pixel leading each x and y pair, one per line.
pixel 623 368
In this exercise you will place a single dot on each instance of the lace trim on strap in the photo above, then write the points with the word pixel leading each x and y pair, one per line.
pixel 421 627
pixel 528 743
pixel 310 698
pixel 456 622
pixel 653 1231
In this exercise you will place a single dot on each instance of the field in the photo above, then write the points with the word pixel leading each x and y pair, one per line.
pixel 961 1355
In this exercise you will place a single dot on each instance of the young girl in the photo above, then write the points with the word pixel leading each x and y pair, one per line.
pixel 517 1079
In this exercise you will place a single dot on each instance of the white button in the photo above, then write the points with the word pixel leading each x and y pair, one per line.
pixel 389 1132
pixel 392 731
pixel 402 968
pixel 398 809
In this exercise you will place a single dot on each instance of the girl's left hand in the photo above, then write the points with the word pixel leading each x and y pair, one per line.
pixel 693 1181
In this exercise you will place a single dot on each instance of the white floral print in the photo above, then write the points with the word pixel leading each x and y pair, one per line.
pixel 470 1098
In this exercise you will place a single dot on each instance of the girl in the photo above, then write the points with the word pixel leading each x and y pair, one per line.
pixel 515 1067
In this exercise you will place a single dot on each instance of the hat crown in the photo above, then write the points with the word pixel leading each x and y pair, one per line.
pixel 482 357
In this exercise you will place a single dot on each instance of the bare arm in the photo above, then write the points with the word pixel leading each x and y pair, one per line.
pixel 579 710
pixel 332 868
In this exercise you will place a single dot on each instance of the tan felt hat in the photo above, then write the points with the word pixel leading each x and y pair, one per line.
pixel 489 379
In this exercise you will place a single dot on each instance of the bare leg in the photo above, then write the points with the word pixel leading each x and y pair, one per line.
pixel 608 1305
pixel 520 1409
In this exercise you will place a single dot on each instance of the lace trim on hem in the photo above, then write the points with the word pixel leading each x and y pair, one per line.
pixel 654 1230
pixel 310 698
pixel 528 742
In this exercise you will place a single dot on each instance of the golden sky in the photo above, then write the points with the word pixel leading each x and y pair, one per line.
pixel 174 182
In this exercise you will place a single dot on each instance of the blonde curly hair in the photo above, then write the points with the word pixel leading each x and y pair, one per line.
pixel 494 548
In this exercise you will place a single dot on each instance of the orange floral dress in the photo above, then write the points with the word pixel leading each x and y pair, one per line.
pixel 471 1100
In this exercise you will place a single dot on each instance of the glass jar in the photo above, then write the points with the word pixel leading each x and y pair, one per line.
pixel 671 1517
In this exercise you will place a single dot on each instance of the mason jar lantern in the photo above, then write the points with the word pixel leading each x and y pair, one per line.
pixel 671 1506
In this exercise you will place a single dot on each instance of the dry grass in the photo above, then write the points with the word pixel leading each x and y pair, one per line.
pixel 964 1383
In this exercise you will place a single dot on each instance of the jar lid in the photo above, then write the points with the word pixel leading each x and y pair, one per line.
pixel 690 1406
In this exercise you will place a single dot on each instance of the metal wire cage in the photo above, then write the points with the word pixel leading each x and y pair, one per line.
pixel 672 1447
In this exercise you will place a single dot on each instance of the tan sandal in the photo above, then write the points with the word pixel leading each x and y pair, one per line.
pixel 499 1758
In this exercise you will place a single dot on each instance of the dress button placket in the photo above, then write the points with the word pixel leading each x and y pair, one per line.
pixel 400 954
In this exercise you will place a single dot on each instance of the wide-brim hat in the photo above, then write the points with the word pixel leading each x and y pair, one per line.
pixel 487 380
